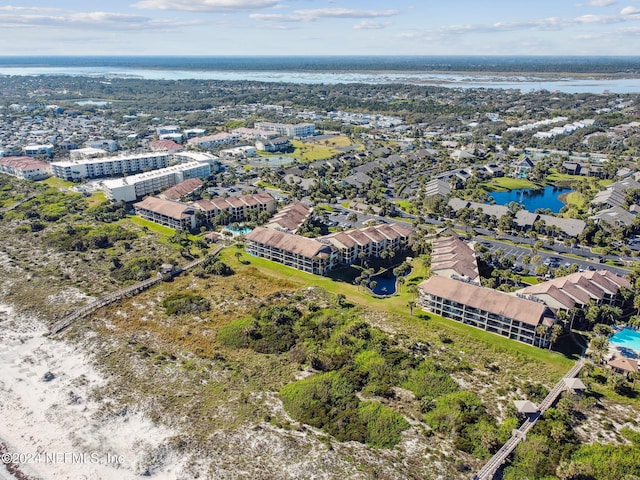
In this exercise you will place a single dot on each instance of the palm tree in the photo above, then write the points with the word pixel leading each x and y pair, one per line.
pixel 541 331
pixel 556 331
pixel 411 304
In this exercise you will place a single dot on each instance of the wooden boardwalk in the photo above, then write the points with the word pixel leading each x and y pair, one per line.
pixel 122 293
pixel 491 467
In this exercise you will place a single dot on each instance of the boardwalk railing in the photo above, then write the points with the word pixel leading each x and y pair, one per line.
pixel 488 471
pixel 122 293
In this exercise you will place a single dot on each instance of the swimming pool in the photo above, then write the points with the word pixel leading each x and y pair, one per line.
pixel 627 338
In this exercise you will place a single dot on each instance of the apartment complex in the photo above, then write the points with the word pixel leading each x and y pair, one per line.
pixel 167 212
pixel 490 310
pixel 290 218
pixel 354 245
pixel 133 187
pixel 343 248
pixel 26 168
pixel 235 209
pixel 578 290
pixel 451 257
pixel 298 130
pixel 99 167
pixel 302 253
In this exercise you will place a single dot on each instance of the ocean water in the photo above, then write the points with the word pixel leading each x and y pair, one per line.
pixel 466 72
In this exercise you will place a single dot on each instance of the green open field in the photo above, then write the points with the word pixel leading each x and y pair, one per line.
pixel 508 183
pixel 56 182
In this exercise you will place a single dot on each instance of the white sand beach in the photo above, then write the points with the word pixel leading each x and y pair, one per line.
pixel 53 428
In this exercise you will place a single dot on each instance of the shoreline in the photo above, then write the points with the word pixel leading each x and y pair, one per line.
pixel 51 422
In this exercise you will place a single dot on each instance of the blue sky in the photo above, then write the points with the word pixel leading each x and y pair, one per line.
pixel 320 27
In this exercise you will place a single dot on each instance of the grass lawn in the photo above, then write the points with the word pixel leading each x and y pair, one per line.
pixel 56 182
pixel 264 184
pixel 404 205
pixel 96 199
pixel 508 183
pixel 530 279
pixel 151 226
pixel 555 177
pixel 310 152
pixel 340 141
pixel 577 199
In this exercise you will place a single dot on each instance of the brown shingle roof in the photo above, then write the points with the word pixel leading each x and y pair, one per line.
pixel 580 286
pixel 183 188
pixel 165 207
pixel 623 363
pixel 303 246
pixel 493 301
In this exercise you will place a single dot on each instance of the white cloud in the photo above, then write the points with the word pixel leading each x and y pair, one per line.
pixel 369 25
pixel 113 21
pixel 12 8
pixel 601 3
pixel 629 11
pixel 275 17
pixel 205 5
pixel 318 13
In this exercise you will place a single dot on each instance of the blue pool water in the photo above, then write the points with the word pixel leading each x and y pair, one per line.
pixel 626 338
pixel 532 199
pixel 239 231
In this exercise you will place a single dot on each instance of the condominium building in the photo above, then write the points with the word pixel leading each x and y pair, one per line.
pixel 453 258
pixel 86 152
pixel 295 251
pixel 167 212
pixel 298 130
pixel 290 218
pixel 26 168
pixel 98 167
pixel 368 242
pixel 35 150
pixel 235 209
pixel 133 187
pixel 215 140
pixel 319 255
pixel 276 145
pixel 490 310
pixel 578 290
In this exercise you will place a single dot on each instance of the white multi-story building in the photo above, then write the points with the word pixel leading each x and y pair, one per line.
pixel 109 166
pixel 26 168
pixel 133 187
pixel 34 150
pixel 87 152
pixel 108 145
pixel 297 130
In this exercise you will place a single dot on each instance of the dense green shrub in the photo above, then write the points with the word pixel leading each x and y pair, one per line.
pixel 608 462
pixel 429 381
pixel 328 401
pixel 137 269
pixel 237 334
pixel 384 426
pixel 213 266
pixel 184 302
